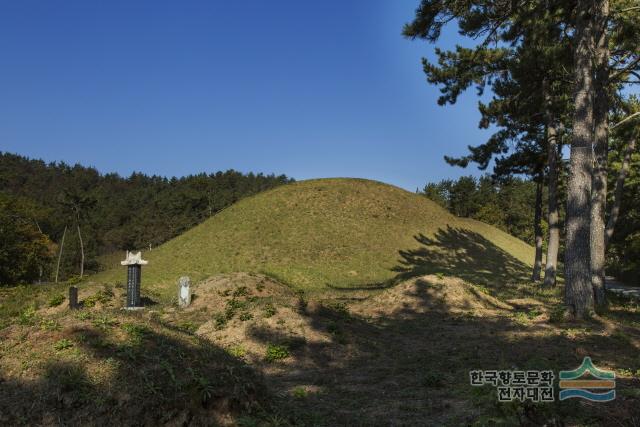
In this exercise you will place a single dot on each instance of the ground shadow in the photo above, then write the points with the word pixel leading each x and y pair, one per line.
pixel 456 252
pixel 155 376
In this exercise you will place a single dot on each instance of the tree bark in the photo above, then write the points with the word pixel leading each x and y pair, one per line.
pixel 617 197
pixel 600 152
pixel 60 253
pixel 553 243
pixel 578 289
pixel 537 265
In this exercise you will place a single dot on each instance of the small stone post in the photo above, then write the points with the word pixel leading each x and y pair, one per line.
pixel 134 263
pixel 73 298
pixel 184 291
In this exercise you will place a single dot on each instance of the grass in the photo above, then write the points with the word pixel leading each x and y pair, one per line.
pixel 327 233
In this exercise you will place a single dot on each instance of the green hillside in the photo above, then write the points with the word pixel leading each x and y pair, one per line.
pixel 338 233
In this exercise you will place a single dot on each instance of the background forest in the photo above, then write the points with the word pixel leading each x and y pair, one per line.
pixel 40 203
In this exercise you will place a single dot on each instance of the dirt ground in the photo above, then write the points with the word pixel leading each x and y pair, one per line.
pixel 260 354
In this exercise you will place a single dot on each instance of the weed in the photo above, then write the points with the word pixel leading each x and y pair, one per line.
pixel 533 313
pixel 260 287
pixel 557 314
pixel 188 326
pixel 269 310
pixel 27 316
pixel 276 352
pixel 104 322
pixel 242 291
pixel 521 318
pixel 237 351
pixel 62 344
pixel 102 297
pixel 440 276
pixel 220 321
pixel 299 392
pixel 136 332
pixel 83 315
pixel 246 316
pixel 339 307
pixel 56 300
pixel 233 306
pixel 49 325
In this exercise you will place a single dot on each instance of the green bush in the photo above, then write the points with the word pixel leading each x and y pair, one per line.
pixel 276 352
pixel 269 310
pixel 56 300
pixel 62 344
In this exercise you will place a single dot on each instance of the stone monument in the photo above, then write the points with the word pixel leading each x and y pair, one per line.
pixel 73 298
pixel 134 263
pixel 184 291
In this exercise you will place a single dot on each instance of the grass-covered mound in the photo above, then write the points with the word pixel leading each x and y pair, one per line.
pixel 334 233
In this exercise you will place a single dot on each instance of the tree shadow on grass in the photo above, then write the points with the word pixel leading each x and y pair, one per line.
pixel 462 253
pixel 150 376
pixel 410 365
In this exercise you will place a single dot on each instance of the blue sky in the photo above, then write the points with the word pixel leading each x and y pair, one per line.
pixel 309 89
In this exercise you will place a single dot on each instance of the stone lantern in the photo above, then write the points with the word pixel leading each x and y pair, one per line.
pixel 134 263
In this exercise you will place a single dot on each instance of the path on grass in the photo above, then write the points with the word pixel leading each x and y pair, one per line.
pixel 614 285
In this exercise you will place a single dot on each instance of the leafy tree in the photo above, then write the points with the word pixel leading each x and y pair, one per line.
pixel 24 250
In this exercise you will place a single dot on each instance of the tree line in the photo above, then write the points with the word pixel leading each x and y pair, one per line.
pixel 504 204
pixel 560 72
pixel 57 220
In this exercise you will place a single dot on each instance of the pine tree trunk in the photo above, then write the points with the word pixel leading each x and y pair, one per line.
pixel 600 151
pixel 578 289
pixel 537 265
pixel 81 252
pixel 64 233
pixel 617 198
pixel 553 243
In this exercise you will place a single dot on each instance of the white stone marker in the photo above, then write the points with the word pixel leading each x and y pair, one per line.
pixel 184 291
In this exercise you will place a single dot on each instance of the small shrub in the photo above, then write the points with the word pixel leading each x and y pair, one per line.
pixel 533 313
pixel 56 300
pixel 62 344
pixel 299 392
pixel 340 308
pixel 136 332
pixel 188 327
pixel 269 310
pixel 104 322
pixel 102 297
pixel 220 321
pixel 83 315
pixel 246 316
pixel 49 325
pixel 27 316
pixel 276 352
pixel 73 280
pixel 237 351
pixel 242 291
pixel 557 314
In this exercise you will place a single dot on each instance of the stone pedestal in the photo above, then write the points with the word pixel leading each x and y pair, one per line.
pixel 134 263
